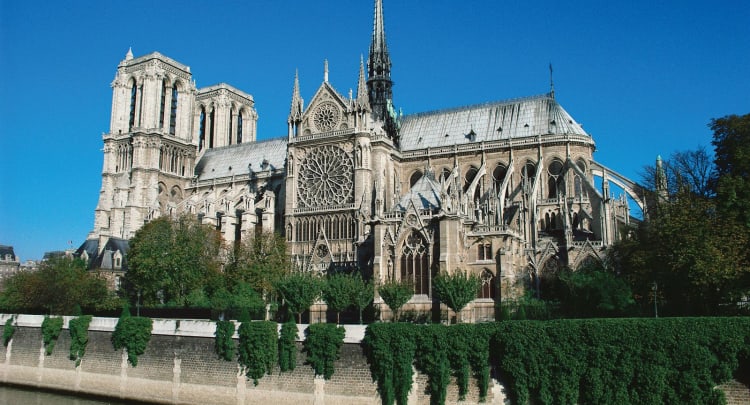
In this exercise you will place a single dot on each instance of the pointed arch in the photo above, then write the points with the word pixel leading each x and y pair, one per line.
pixel 488 289
pixel 414 262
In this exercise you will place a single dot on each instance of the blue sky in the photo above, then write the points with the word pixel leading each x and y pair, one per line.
pixel 643 77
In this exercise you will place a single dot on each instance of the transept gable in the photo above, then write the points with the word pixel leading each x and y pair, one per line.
pixel 328 111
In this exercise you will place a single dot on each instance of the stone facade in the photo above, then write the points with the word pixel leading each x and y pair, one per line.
pixel 504 190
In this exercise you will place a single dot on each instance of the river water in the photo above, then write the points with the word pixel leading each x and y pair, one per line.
pixel 22 396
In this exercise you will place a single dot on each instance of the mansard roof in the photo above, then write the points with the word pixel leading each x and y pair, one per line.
pixel 517 118
pixel 6 250
pixel 234 160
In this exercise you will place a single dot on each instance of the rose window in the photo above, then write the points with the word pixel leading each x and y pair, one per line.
pixel 325 177
pixel 326 117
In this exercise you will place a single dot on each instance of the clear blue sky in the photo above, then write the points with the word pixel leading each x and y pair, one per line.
pixel 643 77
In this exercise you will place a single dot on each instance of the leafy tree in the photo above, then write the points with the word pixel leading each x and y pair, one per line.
pixel 260 261
pixel 59 286
pixel 731 143
pixel 456 290
pixel 395 294
pixel 172 261
pixel 299 290
pixel 693 254
pixel 595 292
pixel 363 292
pixel 338 292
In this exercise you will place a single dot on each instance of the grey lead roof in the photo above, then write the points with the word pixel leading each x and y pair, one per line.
pixel 425 194
pixel 233 160
pixel 537 115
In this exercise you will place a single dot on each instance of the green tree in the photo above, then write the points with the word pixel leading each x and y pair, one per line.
pixel 362 294
pixel 395 294
pixel 595 292
pixel 260 261
pixel 731 141
pixel 456 290
pixel 299 290
pixel 59 286
pixel 338 292
pixel 172 261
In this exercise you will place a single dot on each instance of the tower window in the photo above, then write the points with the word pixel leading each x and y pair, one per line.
pixel 202 129
pixel 211 129
pixel 173 111
pixel 133 92
pixel 239 127
pixel 229 127
pixel 162 103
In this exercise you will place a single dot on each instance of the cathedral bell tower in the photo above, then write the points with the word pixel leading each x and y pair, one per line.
pixel 149 153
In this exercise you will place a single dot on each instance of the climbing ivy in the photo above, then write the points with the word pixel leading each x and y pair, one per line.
pixel 623 361
pixel 390 350
pixel 258 350
pixel 8 331
pixel 51 328
pixel 432 359
pixel 79 337
pixel 225 347
pixel 287 346
pixel 322 345
pixel 132 333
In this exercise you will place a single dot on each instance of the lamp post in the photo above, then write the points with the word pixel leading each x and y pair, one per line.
pixel 655 289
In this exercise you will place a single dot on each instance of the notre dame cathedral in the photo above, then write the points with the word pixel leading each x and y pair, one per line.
pixel 507 190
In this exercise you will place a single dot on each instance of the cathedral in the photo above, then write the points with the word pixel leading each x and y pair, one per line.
pixel 506 190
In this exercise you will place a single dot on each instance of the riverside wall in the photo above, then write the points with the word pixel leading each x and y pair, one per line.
pixel 180 366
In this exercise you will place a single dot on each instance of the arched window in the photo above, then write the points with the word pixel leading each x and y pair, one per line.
pixel 163 103
pixel 173 111
pixel 212 120
pixel 484 251
pixel 556 182
pixel 498 175
pixel 415 263
pixel 470 175
pixel 239 127
pixel 415 178
pixel 202 129
pixel 488 289
pixel 527 176
pixel 133 93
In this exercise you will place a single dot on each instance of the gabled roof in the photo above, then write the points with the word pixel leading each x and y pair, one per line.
pixel 233 160
pixel 525 117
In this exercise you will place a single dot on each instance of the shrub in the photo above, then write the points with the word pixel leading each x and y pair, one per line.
pixel 8 331
pixel 51 328
pixel 322 345
pixel 132 333
pixel 225 347
pixel 79 337
pixel 287 346
pixel 432 358
pixel 258 352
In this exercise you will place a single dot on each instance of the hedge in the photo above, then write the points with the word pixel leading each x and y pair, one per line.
pixel 594 361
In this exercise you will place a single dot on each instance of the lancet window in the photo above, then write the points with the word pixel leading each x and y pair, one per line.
pixel 488 289
pixel 173 111
pixel 415 263
pixel 162 103
pixel 239 127
pixel 133 93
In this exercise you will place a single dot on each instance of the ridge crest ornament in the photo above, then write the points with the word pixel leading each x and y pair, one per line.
pixel 326 117
pixel 325 177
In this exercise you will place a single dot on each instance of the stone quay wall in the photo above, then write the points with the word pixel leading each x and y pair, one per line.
pixel 180 366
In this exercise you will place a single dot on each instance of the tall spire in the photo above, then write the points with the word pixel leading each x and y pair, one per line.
pixel 379 83
pixel 295 112
pixel 363 99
